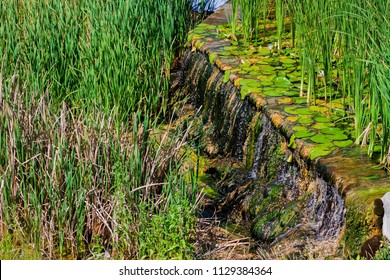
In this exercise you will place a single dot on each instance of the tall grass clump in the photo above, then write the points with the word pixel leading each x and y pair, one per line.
pixel 85 171
pixel 345 43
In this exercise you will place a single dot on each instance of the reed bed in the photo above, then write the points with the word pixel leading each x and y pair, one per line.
pixel 344 52
pixel 85 171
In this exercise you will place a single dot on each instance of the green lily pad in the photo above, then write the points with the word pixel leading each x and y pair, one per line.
pixel 300 100
pixel 343 144
pixel 267 67
pixel 337 136
pixel 224 53
pixel 304 134
pixel 292 143
pixel 292 119
pixel 263 51
pixel 331 130
pixel 287 60
pixel 320 139
pixel 305 120
pixel 282 82
pixel 318 109
pixel 322 125
pixel 266 78
pixel 291 93
pixel 230 48
pixel 249 82
pixel 285 100
pixel 246 90
pixel 266 83
pixel 299 128
pixel 322 119
pixel 212 57
pixel 304 111
pixel 273 93
pixel 319 151
pixel 291 110
pixel 226 76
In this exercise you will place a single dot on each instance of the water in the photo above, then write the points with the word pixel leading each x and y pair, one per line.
pixel 207 5
pixel 259 146
pixel 292 210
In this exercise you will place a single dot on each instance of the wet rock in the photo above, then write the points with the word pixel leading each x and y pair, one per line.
pixel 370 247
pixel 378 207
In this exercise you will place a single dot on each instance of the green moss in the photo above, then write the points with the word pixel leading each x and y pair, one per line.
pixel 356 228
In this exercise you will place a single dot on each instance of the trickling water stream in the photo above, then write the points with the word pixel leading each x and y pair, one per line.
pixel 289 210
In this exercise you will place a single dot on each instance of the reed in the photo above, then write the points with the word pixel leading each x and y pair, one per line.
pixel 83 84
pixel 344 45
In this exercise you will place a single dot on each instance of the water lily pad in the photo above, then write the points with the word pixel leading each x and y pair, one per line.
pixel 318 109
pixel 266 83
pixel 268 72
pixel 299 128
pixel 287 60
pixel 282 82
pixel 304 111
pixel 294 79
pixel 304 134
pixel 273 93
pixel 226 76
pixel 245 62
pixel 337 136
pixel 300 100
pixel 246 90
pixel 263 51
pixel 292 119
pixel 331 130
pixel 343 144
pixel 320 138
pixel 267 78
pixel 291 93
pixel 305 120
pixel 291 110
pixel 267 67
pixel 322 119
pixel 230 48
pixel 249 82
pixel 212 57
pixel 285 100
pixel 322 125
pixel 224 53
pixel 319 151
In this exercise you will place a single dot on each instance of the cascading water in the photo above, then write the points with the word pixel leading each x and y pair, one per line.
pixel 293 212
pixel 259 146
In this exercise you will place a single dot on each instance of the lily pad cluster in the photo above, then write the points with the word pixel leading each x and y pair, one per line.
pixel 315 126
pixel 259 69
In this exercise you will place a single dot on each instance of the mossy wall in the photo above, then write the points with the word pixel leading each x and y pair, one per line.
pixel 252 112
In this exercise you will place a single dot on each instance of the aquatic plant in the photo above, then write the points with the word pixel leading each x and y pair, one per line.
pixel 344 52
pixel 83 88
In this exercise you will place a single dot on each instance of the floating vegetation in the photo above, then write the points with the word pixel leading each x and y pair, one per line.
pixel 316 50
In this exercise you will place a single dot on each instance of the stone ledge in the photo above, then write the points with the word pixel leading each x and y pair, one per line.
pixel 357 178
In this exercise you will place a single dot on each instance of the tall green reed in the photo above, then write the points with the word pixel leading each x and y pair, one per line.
pixel 82 85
